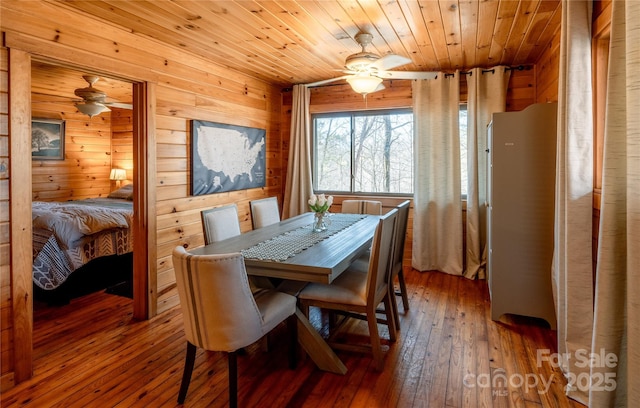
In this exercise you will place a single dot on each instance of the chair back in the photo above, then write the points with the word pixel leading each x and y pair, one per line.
pixel 264 212
pixel 380 258
pixel 220 313
pixel 362 207
pixel 220 223
pixel 400 236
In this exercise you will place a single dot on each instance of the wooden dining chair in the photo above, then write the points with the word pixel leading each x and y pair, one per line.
pixel 264 212
pixel 397 259
pixel 362 207
pixel 220 223
pixel 222 314
pixel 357 294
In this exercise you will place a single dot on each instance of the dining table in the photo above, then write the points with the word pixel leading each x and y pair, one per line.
pixel 291 249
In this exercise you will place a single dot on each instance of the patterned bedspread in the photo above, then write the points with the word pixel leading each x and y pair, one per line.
pixel 54 259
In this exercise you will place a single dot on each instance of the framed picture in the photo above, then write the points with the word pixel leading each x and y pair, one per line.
pixel 47 139
pixel 226 157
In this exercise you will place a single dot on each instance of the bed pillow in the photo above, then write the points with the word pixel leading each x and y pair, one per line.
pixel 125 193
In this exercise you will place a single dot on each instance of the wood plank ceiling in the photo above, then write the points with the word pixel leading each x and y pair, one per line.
pixel 54 83
pixel 303 41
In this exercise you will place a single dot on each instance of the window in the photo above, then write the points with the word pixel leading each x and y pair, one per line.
pixel 463 149
pixel 371 152
pixel 364 152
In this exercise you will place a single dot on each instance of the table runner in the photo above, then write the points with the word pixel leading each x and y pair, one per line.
pixel 284 246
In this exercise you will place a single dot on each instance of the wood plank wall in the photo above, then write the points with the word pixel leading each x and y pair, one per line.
pixel 6 310
pixel 84 172
pixel 122 143
pixel 188 88
pixel 547 71
pixel 521 92
pixel 178 213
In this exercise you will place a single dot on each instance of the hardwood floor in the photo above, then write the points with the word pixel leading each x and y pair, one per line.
pixel 449 353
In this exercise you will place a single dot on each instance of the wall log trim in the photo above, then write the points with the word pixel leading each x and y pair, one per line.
pixel 20 199
pixel 144 201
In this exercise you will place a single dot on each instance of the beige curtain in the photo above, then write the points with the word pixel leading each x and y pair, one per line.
pixel 437 222
pixel 616 329
pixel 572 268
pixel 299 184
pixel 487 93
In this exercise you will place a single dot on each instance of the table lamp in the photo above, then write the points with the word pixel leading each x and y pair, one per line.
pixel 118 175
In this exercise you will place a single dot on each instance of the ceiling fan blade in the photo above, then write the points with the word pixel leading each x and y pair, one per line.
pixel 389 61
pixel 119 105
pixel 406 74
pixel 327 81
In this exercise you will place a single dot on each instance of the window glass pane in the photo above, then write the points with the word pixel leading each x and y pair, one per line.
pixel 383 153
pixel 463 149
pixel 376 147
pixel 369 152
pixel 332 164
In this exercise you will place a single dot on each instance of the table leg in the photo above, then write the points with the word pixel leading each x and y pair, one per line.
pixel 316 347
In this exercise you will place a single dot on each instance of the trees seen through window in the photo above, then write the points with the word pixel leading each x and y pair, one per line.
pixel 370 152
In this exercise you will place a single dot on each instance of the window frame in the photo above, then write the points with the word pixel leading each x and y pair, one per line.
pixel 352 115
pixel 600 69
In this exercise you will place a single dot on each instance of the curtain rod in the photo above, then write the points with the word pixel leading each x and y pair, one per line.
pixel 492 70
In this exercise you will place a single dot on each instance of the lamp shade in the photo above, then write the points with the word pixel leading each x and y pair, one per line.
pixel 118 174
pixel 364 84
pixel 91 108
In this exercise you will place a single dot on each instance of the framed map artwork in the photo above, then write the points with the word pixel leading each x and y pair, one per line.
pixel 226 157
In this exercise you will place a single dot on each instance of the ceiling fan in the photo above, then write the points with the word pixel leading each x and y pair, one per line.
pixel 94 101
pixel 366 70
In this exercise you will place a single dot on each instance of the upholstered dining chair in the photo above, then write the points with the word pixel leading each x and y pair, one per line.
pixel 264 212
pixel 362 207
pixel 221 314
pixel 357 294
pixel 220 223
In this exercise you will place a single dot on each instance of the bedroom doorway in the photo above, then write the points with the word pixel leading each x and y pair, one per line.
pixel 53 88
pixel 20 198
pixel 92 169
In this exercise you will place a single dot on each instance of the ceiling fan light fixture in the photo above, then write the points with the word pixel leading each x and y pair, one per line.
pixel 91 94
pixel 361 61
pixel 364 84
pixel 91 109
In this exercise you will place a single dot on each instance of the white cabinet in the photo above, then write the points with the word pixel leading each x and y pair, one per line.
pixel 520 213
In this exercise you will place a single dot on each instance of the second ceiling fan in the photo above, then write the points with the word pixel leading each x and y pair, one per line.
pixel 94 101
pixel 366 70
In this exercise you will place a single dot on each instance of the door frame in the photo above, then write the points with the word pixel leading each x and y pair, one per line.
pixel 144 228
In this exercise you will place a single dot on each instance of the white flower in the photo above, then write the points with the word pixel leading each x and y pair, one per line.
pixel 320 203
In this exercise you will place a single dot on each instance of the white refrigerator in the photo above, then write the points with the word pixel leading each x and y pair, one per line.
pixel 520 211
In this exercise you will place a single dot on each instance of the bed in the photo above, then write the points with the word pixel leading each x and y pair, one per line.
pixel 92 236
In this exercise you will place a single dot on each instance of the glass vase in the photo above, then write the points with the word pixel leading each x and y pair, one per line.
pixel 319 223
